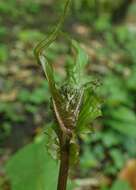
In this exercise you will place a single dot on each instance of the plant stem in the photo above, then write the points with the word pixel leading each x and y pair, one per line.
pixel 64 167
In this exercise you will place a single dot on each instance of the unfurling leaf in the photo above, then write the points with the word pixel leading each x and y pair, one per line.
pixel 75 69
pixel 78 103
pixel 74 102
pixel 90 110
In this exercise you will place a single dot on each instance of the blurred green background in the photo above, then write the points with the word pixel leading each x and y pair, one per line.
pixel 106 29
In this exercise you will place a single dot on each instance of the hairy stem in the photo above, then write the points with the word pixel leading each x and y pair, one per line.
pixel 64 167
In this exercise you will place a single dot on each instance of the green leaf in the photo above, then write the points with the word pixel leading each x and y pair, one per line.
pixel 90 110
pixel 39 96
pixel 119 185
pixel 48 70
pixel 75 70
pixel 32 168
pixel 127 129
pixel 52 141
pixel 125 114
pixel 118 158
pixel 3 53
pixel 29 168
pixel 88 159
pixel 109 139
pixel 29 36
pixel 124 120
pixel 114 90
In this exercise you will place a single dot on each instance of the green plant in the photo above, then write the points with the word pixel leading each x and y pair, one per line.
pixel 75 103
pixel 113 144
pixel 120 184
pixel 3 53
pixel 28 168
